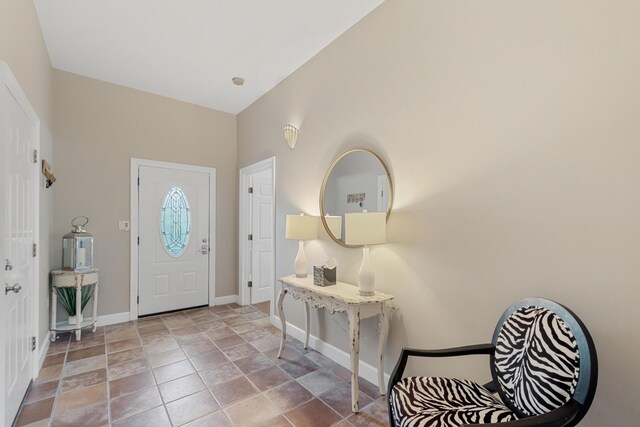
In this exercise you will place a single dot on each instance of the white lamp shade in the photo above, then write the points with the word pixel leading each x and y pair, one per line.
pixel 365 228
pixel 301 227
pixel 335 225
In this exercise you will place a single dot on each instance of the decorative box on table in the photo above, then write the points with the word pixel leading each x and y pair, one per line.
pixel 324 276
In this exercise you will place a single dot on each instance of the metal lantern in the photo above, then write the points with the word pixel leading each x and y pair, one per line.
pixel 77 247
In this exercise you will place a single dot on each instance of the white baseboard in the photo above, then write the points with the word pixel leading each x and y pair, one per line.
pixel 112 319
pixel 229 299
pixel 44 347
pixel 342 358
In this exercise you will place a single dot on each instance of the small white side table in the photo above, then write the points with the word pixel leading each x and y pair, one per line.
pixel 78 280
pixel 340 297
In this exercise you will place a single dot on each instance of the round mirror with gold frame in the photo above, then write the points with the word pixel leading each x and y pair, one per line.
pixel 356 180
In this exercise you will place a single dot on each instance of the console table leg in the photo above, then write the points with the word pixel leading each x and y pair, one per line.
pixel 95 307
pixel 78 311
pixel 382 342
pixel 283 336
pixel 54 306
pixel 306 325
pixel 354 335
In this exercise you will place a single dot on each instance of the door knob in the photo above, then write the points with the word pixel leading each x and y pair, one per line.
pixel 15 288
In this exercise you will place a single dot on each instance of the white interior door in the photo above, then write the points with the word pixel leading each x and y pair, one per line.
pixel 18 217
pixel 174 239
pixel 261 245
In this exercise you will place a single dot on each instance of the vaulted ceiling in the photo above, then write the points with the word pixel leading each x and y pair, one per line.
pixel 191 49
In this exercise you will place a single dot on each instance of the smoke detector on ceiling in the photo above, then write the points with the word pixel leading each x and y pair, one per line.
pixel 238 81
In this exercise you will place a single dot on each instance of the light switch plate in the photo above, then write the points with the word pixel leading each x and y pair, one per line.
pixel 124 225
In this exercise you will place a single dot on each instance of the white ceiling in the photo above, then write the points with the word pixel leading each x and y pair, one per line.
pixel 190 49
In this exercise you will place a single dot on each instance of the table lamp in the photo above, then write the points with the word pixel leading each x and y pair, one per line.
pixel 365 228
pixel 335 225
pixel 301 227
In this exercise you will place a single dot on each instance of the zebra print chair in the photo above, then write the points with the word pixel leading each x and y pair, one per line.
pixel 544 369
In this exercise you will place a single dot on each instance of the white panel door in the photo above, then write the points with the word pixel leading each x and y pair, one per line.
pixel 262 267
pixel 18 136
pixel 174 247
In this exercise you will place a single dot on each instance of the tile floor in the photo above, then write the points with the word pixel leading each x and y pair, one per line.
pixel 212 366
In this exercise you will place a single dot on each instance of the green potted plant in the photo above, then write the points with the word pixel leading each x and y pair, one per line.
pixel 67 297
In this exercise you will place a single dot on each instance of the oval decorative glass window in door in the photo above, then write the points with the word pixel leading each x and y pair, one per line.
pixel 175 222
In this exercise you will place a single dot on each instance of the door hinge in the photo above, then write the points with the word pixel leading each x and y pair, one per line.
pixel 138 240
pixel 138 181
pixel 35 156
pixel 33 343
pixel 250 284
pixel 250 237
pixel 250 190
pixel 138 299
pixel 34 250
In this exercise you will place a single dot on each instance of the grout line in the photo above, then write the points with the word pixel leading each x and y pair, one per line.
pixel 189 358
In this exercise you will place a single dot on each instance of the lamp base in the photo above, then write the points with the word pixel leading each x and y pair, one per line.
pixel 366 278
pixel 301 276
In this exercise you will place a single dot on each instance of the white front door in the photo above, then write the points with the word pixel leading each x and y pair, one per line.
pixel 261 245
pixel 174 245
pixel 18 225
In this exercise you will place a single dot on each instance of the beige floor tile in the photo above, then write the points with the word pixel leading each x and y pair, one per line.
pixel 117 346
pixel 40 391
pixel 208 360
pixel 221 373
pixel 130 384
pixel 217 419
pixel 156 417
pixel 171 356
pixel 49 373
pixel 339 399
pixel 279 421
pixel 85 353
pixel 34 412
pixel 269 378
pixel 95 415
pixel 74 382
pixel 125 356
pixel 172 371
pixel 86 342
pixel 318 382
pixel 85 365
pixel 161 346
pixel 125 369
pixel 289 395
pixel 192 407
pixel 253 411
pixel 314 413
pixel 233 391
pixel 135 403
pixel 370 416
pixel 181 387
pixel 80 398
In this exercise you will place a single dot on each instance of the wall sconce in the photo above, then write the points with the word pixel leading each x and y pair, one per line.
pixel 291 135
pixel 46 171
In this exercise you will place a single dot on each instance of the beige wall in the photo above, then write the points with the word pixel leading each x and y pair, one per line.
pixel 511 132
pixel 99 127
pixel 23 48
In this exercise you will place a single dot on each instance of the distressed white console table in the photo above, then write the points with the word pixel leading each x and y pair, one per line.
pixel 340 297
pixel 77 280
